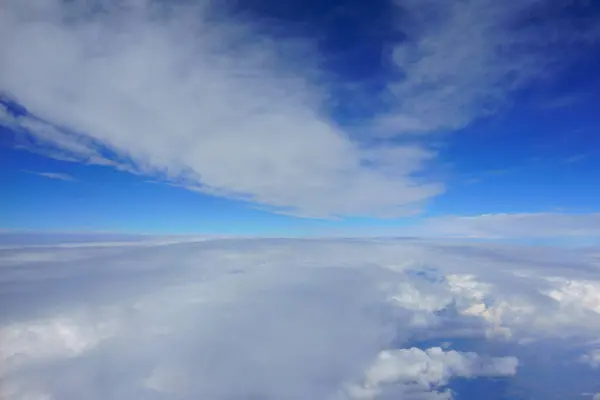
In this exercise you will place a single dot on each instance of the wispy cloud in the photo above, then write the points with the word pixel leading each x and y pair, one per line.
pixel 575 159
pixel 207 102
pixel 53 175
pixel 568 100
pixel 186 92
pixel 461 60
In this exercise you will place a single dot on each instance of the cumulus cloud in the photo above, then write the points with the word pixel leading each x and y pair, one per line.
pixel 295 319
pixel 424 371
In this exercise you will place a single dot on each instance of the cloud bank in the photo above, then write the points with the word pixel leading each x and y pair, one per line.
pixel 191 93
pixel 297 319
pixel 514 226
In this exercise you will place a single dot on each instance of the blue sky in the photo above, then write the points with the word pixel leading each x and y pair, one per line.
pixel 300 117
pixel 411 186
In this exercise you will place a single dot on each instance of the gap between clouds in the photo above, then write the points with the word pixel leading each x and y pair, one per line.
pixel 201 99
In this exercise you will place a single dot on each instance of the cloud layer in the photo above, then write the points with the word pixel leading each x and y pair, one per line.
pixel 515 226
pixel 297 319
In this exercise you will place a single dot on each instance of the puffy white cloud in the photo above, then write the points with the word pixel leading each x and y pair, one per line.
pixel 297 319
pixel 578 294
pixel 424 371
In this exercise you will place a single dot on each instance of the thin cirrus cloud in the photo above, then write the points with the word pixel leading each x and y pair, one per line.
pixel 53 175
pixel 297 319
pixel 462 59
pixel 182 92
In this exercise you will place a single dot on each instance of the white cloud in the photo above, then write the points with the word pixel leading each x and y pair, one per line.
pixel 592 358
pixel 54 175
pixel 424 371
pixel 295 319
pixel 581 294
pixel 56 337
pixel 461 60
pixel 208 104
pixel 544 227
pixel 525 225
